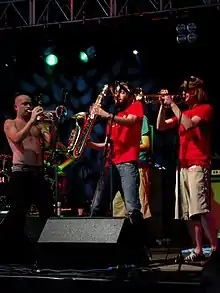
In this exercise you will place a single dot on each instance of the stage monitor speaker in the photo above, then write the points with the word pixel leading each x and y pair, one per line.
pixel 71 243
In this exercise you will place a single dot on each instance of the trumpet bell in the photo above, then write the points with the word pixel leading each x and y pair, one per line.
pixel 61 111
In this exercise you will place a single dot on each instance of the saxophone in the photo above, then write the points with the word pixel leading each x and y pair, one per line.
pixel 80 135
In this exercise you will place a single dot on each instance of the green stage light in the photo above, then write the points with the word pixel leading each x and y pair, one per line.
pixel 83 57
pixel 51 60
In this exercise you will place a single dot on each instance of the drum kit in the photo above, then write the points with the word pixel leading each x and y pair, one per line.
pixel 49 163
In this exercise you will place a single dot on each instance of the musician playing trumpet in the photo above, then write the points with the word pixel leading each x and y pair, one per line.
pixel 193 186
pixel 26 138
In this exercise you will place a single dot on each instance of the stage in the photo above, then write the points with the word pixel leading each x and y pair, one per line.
pixel 161 274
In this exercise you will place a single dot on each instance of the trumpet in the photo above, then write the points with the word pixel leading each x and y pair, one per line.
pixel 155 98
pixel 52 115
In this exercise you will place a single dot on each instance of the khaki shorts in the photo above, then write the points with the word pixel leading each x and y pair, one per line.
pixel 193 196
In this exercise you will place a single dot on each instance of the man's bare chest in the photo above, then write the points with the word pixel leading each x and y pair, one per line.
pixel 34 132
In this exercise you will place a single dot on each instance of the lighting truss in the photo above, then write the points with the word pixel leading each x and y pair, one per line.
pixel 33 13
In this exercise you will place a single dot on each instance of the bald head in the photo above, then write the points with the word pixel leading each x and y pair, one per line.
pixel 21 104
pixel 21 98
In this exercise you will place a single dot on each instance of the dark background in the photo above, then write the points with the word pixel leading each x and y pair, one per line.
pixel 162 63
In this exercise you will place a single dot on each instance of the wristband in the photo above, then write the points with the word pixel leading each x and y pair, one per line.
pixel 110 117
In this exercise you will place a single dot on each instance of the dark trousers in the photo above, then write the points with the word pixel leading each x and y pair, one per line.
pixel 125 178
pixel 76 194
pixel 25 188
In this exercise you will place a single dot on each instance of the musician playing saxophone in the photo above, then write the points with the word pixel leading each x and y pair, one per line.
pixel 124 141
pixel 26 138
pixel 119 209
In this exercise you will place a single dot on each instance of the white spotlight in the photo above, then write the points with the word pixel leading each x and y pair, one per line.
pixel 135 52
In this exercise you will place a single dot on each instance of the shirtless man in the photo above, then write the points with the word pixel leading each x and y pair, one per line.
pixel 26 137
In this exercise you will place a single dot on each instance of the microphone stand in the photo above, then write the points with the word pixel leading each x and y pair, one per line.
pixel 108 150
pixel 55 156
pixel 179 258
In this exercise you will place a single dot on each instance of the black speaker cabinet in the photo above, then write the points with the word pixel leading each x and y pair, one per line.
pixel 68 243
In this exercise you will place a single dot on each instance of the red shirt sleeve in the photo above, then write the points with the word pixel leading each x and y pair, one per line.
pixel 174 118
pixel 136 109
pixel 204 112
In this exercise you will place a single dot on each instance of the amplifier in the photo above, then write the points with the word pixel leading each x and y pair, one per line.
pixel 215 196
pixel 215 172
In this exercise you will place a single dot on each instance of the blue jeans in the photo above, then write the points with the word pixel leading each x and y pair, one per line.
pixel 125 178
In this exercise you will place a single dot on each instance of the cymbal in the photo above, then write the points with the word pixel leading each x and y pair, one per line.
pixel 4 156
pixel 52 180
pixel 61 146
pixel 49 152
pixel 60 173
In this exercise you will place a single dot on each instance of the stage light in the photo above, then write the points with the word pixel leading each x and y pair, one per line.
pixel 135 52
pixel 186 33
pixel 191 27
pixel 191 37
pixel 51 60
pixel 88 54
pixel 83 57
pixel 181 39
pixel 181 28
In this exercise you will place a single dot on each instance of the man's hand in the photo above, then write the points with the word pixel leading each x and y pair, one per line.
pixel 165 99
pixel 35 113
pixel 97 110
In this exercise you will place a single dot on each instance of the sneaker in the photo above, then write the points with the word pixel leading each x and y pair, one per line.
pixel 212 250
pixel 194 257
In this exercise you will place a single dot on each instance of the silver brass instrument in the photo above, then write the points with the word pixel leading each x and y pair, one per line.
pixel 52 115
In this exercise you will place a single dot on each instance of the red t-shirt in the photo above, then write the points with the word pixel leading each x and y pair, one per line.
pixel 126 139
pixel 195 143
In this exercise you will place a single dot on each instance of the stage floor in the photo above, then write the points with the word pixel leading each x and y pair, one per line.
pixel 161 274
pixel 164 259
